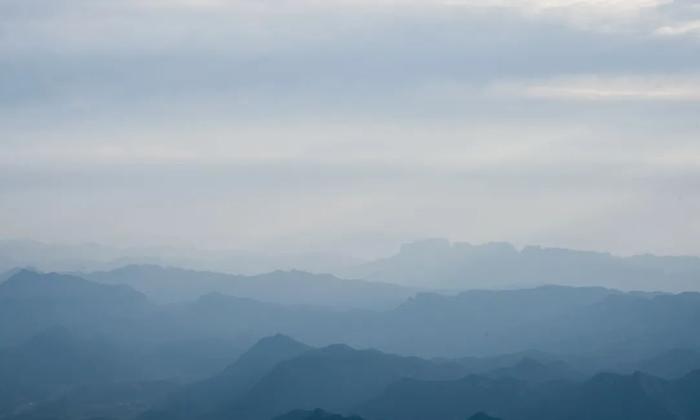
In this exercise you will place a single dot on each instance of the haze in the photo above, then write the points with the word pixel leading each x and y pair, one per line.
pixel 349 127
pixel 349 209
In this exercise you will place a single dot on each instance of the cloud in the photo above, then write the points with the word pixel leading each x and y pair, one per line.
pixel 679 88
pixel 254 205
pixel 248 121
pixel 686 28
pixel 567 8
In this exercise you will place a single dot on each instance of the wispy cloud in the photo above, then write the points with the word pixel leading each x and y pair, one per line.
pixel 680 29
pixel 324 117
pixel 621 88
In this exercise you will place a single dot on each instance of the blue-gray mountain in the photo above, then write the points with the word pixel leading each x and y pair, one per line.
pixel 379 386
pixel 170 284
pixel 74 348
pixel 316 414
pixel 604 396
pixel 437 263
pixel 591 324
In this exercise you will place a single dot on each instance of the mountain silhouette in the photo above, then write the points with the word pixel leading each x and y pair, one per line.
pixel 437 263
pixel 609 324
pixel 26 285
pixel 414 399
pixel 168 284
pixel 482 416
pixel 31 302
pixel 229 386
pixel 605 396
pixel 670 364
pixel 316 414
pixel 54 360
pixel 335 378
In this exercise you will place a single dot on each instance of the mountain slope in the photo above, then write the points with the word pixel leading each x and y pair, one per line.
pixel 334 378
pixel 317 414
pixel 601 323
pixel 55 360
pixel 31 302
pixel 284 287
pixel 414 399
pixel 605 396
pixel 197 399
pixel 26 285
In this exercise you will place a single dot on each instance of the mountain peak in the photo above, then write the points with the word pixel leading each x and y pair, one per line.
pixel 268 351
pixel 25 274
pixel 28 284
pixel 277 341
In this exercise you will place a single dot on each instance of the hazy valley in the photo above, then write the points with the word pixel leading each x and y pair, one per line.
pixel 147 342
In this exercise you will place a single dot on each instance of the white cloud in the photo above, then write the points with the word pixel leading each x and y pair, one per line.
pixel 362 115
pixel 594 15
pixel 598 88
pixel 686 28
pixel 597 6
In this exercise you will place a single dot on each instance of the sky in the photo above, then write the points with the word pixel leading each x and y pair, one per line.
pixel 351 126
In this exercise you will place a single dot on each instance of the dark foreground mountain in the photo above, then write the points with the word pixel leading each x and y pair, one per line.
pixel 482 416
pixel 335 378
pixel 201 398
pixel 602 397
pixel 316 414
pixel 63 334
pixel 279 374
pixel 56 360
pixel 283 287
pixel 54 376
pixel 108 400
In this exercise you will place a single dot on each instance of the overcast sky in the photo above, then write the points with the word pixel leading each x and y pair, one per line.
pixel 350 126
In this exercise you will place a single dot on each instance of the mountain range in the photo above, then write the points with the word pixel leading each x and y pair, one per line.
pixel 587 323
pixel 75 348
pixel 168 285
pixel 432 264
pixel 380 386
pixel 439 264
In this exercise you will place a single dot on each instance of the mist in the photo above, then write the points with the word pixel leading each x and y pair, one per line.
pixel 349 210
pixel 350 127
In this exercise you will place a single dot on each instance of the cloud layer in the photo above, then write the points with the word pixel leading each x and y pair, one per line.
pixel 298 124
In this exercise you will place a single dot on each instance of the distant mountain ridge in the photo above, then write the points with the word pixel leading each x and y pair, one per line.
pixel 437 263
pixel 31 285
pixel 553 319
pixel 168 284
pixel 427 264
pixel 602 323
pixel 85 257
pixel 31 302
